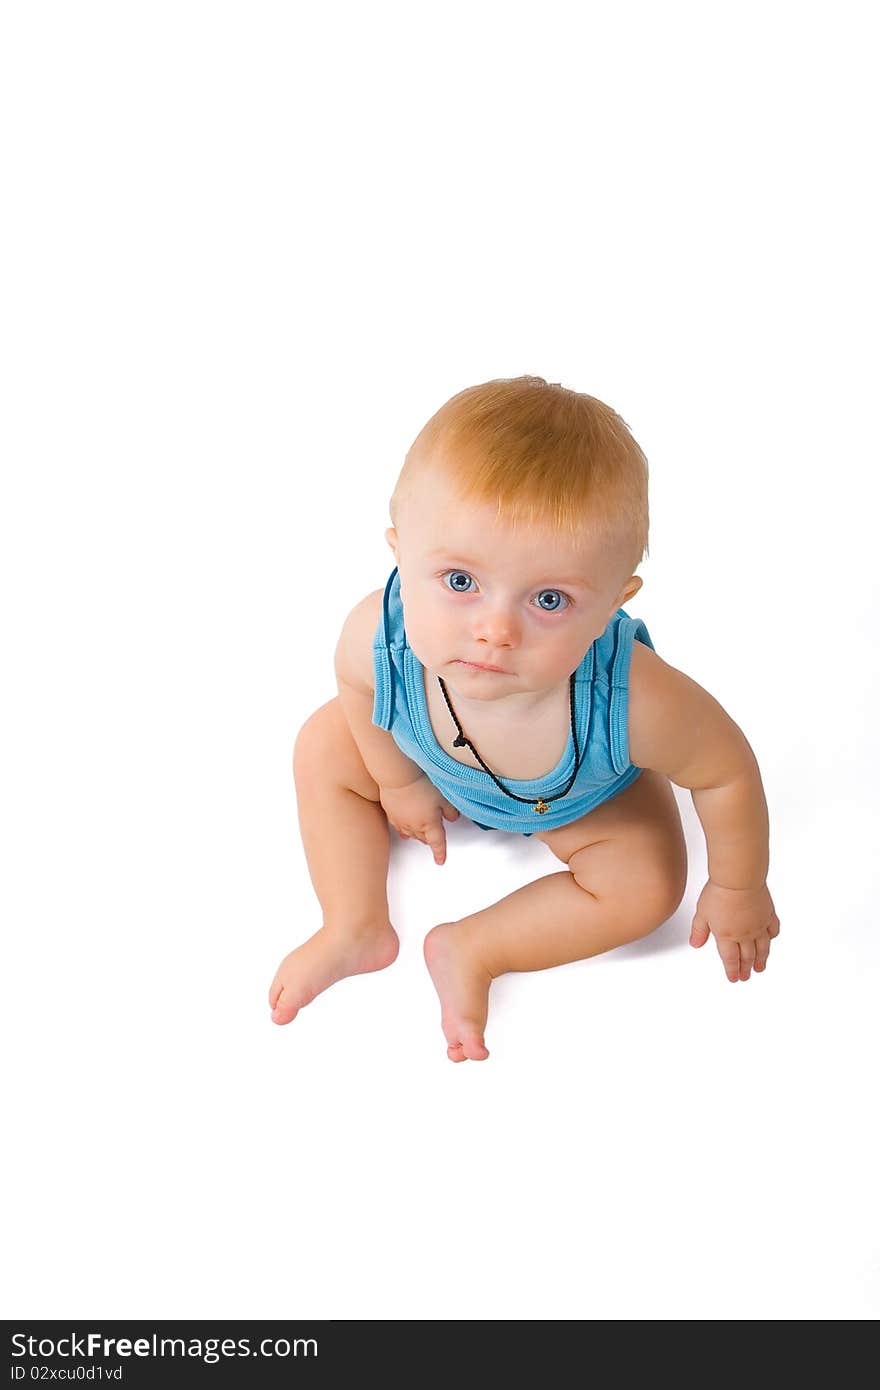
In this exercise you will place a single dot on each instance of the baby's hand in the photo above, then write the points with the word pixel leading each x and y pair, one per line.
pixel 417 812
pixel 743 922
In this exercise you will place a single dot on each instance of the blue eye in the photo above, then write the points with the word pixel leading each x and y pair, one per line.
pixel 548 600
pixel 459 581
pixel 556 599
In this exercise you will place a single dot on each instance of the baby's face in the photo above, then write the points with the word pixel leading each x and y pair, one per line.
pixel 474 591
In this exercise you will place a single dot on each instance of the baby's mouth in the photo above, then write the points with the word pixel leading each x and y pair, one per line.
pixel 479 666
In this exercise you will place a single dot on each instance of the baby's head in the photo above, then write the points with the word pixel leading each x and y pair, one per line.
pixel 518 518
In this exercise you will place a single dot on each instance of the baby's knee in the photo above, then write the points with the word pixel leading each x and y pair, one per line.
pixel 659 886
pixel 647 882
pixel 664 894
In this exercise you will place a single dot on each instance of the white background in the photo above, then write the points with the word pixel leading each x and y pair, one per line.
pixel 248 250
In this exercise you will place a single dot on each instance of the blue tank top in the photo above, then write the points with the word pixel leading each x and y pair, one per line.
pixel 601 698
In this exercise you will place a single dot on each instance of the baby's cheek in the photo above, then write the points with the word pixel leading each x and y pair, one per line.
pixel 424 645
pixel 429 657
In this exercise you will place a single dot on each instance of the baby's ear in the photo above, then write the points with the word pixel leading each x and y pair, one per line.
pixel 630 589
pixel 391 538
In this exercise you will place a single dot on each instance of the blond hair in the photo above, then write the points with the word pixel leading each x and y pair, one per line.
pixel 547 456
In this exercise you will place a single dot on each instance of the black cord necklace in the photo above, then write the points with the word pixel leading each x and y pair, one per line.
pixel 540 806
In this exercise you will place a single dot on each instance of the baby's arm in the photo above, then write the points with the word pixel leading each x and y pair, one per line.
pixel 412 804
pixel 386 764
pixel 678 729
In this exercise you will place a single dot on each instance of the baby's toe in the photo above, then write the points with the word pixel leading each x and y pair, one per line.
pixel 466 1044
pixel 474 1047
pixel 283 1010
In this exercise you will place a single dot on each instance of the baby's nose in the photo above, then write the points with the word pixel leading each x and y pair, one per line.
pixel 498 626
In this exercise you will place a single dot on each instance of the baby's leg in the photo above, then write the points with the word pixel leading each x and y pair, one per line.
pixel 346 840
pixel 627 873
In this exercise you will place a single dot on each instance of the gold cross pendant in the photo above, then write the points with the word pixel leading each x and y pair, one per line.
pixel 540 807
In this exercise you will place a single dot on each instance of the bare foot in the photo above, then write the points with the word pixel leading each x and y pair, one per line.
pixel 463 986
pixel 328 956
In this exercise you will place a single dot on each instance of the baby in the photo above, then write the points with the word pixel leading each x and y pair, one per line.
pixel 497 676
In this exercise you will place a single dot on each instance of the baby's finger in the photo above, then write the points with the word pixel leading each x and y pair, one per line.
pixel 729 953
pixel 746 958
pixel 762 951
pixel 449 811
pixel 699 932
pixel 435 839
pixel 773 929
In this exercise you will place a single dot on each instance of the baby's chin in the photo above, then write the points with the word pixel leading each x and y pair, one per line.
pixel 473 684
